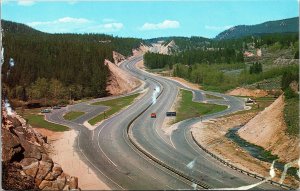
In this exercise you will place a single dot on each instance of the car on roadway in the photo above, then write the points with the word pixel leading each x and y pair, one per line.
pixel 56 107
pixel 153 115
pixel 45 111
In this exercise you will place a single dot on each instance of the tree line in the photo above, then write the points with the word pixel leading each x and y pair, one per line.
pixel 206 56
pixel 74 63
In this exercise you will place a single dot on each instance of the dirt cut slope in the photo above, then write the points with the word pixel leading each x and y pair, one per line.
pixel 120 82
pixel 267 129
pixel 248 92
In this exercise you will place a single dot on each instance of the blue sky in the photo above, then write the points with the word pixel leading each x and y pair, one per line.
pixel 146 19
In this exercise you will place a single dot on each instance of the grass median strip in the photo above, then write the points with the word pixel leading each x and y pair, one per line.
pixel 115 106
pixel 189 109
pixel 210 96
pixel 73 115
pixel 38 121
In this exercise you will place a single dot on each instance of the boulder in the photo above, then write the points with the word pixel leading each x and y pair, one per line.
pixel 45 185
pixel 73 184
pixel 44 169
pixel 61 181
pixel 31 150
pixel 30 166
pixel 11 147
pixel 46 158
pixel 56 170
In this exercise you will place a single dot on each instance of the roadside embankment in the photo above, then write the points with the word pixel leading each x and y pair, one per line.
pixel 62 150
pixel 212 136
pixel 268 130
pixel 119 81
pixel 248 92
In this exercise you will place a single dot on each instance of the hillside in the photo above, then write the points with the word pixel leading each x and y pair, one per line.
pixel 18 28
pixel 268 130
pixel 72 64
pixel 279 26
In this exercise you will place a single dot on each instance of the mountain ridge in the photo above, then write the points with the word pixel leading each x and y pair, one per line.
pixel 268 27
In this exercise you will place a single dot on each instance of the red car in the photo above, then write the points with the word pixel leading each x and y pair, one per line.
pixel 153 115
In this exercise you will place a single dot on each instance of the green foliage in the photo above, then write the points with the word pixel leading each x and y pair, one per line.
pixel 227 55
pixel 290 25
pixel 189 109
pixel 296 55
pixel 289 93
pixel 76 61
pixel 73 115
pixel 289 76
pixel 38 121
pixel 256 68
pixel 291 115
pixel 115 106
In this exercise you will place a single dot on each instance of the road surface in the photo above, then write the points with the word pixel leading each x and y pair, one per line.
pixel 109 148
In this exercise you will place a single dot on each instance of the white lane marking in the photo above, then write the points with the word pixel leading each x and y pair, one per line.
pixel 172 141
pixel 93 134
pixel 158 166
pixel 96 166
pixel 99 144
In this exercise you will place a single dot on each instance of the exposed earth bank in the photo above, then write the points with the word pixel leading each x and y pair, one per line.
pixel 248 92
pixel 268 130
pixel 119 81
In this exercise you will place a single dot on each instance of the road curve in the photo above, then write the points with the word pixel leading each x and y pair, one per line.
pixel 109 152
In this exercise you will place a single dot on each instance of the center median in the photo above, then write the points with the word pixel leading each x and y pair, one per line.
pixel 153 158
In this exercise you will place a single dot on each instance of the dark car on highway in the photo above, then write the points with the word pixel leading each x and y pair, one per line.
pixel 45 111
pixel 56 107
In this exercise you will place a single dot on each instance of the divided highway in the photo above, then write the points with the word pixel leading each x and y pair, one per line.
pixel 108 149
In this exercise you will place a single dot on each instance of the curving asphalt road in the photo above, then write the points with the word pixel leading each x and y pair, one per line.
pixel 109 151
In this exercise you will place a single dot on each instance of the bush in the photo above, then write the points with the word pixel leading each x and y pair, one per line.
pixel 289 93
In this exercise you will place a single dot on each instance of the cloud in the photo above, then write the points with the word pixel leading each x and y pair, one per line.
pixel 102 28
pixel 79 25
pixel 217 28
pixel 166 24
pixel 108 20
pixel 73 20
pixel 26 2
pixel 60 21
pixel 114 26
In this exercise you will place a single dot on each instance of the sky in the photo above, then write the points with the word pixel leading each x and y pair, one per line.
pixel 146 19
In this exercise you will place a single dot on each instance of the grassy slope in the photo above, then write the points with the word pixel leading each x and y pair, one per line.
pixel 291 116
pixel 188 109
pixel 115 106
pixel 36 120
pixel 73 115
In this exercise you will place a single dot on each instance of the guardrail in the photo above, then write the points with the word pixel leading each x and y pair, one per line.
pixel 240 170
pixel 153 158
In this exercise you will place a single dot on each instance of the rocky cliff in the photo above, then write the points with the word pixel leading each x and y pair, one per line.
pixel 25 162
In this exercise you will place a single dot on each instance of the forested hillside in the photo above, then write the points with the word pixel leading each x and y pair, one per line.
pixel 221 65
pixel 279 26
pixel 57 66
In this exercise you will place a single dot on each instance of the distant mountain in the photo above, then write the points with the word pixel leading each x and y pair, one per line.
pixel 18 28
pixel 279 26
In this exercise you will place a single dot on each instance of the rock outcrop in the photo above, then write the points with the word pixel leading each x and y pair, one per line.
pixel 25 162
